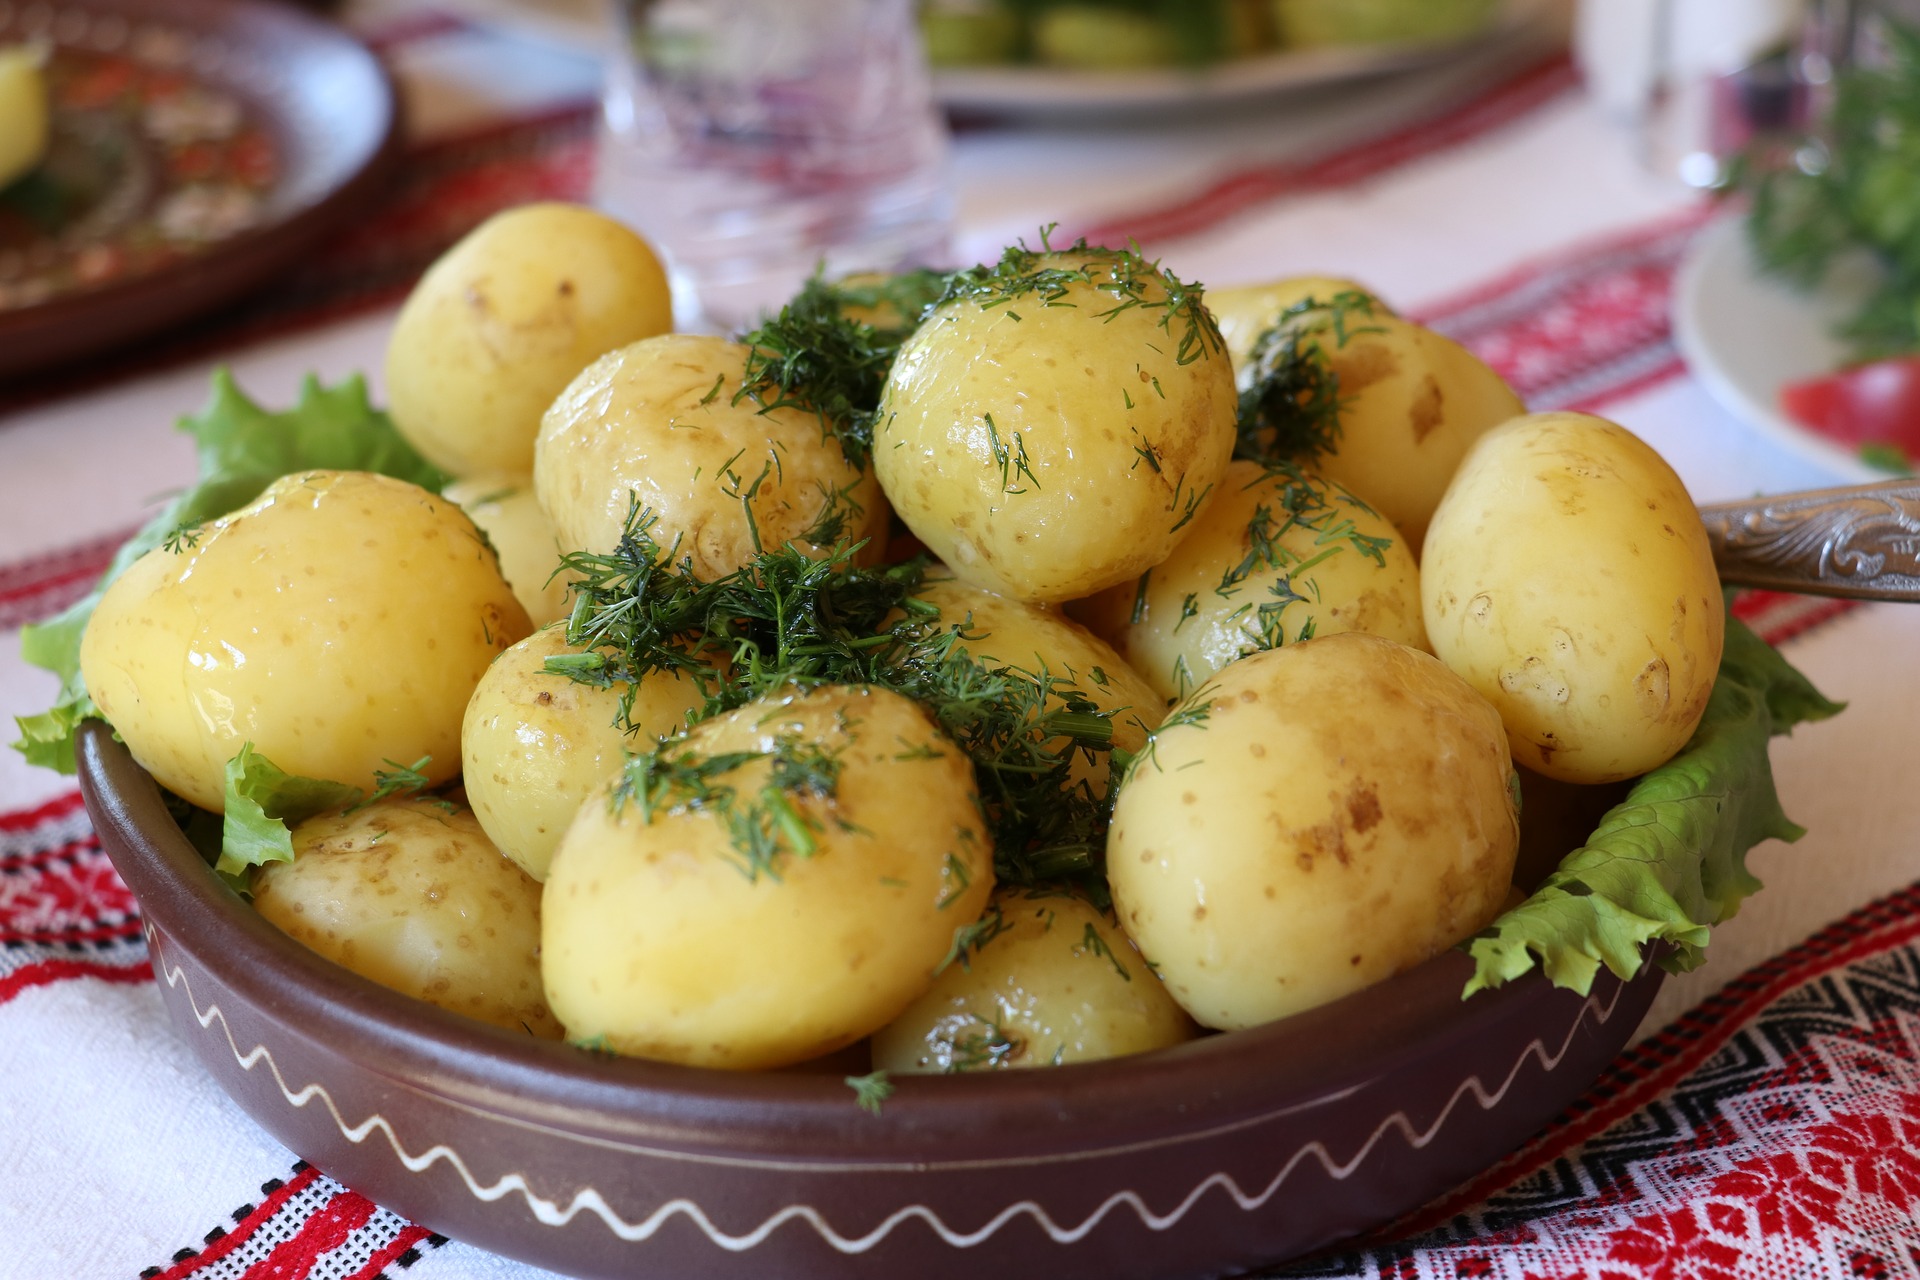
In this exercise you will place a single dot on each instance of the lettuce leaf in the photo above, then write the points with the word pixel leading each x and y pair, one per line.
pixel 263 802
pixel 1670 860
pixel 242 449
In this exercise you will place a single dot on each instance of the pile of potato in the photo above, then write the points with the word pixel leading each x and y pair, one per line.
pixel 1319 674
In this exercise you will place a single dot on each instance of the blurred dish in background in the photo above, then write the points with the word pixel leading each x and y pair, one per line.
pixel 192 151
pixel 1033 57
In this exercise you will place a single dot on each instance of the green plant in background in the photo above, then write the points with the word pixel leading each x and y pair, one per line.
pixel 1853 187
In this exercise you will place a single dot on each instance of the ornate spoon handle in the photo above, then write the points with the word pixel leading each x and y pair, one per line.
pixel 1862 542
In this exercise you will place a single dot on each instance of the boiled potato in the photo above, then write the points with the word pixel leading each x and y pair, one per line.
pixel 1312 820
pixel 504 320
pixel 656 423
pixel 506 511
pixel 1280 555
pixel 1569 579
pixel 1247 311
pixel 1053 980
pixel 534 743
pixel 1411 404
pixel 683 921
pixel 1000 632
pixel 339 621
pixel 1101 38
pixel 1312 23
pixel 24 116
pixel 1048 443
pixel 409 893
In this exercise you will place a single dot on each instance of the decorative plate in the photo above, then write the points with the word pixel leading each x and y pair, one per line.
pixel 1220 1155
pixel 198 147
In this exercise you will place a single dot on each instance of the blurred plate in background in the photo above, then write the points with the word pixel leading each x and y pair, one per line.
pixel 198 148
pixel 1746 335
pixel 1059 93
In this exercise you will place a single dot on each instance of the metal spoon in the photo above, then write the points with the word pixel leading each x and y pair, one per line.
pixel 1861 542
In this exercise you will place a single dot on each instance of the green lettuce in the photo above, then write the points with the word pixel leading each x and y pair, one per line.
pixel 242 449
pixel 1670 860
pixel 263 802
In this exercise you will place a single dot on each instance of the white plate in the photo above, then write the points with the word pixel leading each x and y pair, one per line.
pixel 1058 92
pixel 1745 335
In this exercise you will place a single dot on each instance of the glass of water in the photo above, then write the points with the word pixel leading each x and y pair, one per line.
pixel 755 140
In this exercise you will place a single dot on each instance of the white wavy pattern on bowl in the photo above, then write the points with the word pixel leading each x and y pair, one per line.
pixel 590 1199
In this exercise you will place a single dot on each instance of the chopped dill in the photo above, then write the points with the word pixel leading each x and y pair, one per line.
pixel 788 620
pixel 1290 394
pixel 969 938
pixel 402 779
pixel 981 1046
pixel 1092 944
pixel 183 539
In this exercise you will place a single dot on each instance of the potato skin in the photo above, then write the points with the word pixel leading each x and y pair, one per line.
pixel 504 508
pixel 1569 579
pixel 1059 498
pixel 657 420
pixel 1247 311
pixel 340 620
pixel 1061 983
pixel 656 942
pixel 1414 403
pixel 1344 812
pixel 411 894
pixel 1191 624
pixel 504 320
pixel 534 744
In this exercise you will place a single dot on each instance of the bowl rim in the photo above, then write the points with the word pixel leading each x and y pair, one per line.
pixel 798 1121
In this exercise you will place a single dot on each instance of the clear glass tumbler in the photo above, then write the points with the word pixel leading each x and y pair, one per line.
pixel 755 140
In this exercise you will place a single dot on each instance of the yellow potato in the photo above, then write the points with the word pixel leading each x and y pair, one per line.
pixel 1314 819
pixel 24 114
pixel 1045 445
pixel 409 893
pixel 535 743
pixel 340 620
pixel 507 512
pixel 1246 312
pixel 656 422
pixel 1052 981
pixel 1002 632
pixel 1412 404
pixel 1569 579
pixel 662 936
pixel 1278 556
pixel 504 320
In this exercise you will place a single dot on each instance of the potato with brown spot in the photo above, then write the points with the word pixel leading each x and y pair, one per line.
pixel 1054 981
pixel 1592 616
pixel 1380 825
pixel 1277 555
pixel 504 319
pixel 411 894
pixel 657 426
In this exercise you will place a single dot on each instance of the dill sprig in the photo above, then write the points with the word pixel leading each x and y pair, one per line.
pixel 1290 397
pixel 870 1091
pixel 762 827
pixel 786 620
pixel 816 357
pixel 1026 277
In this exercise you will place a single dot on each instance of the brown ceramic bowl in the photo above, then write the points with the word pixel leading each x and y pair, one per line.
pixel 1221 1155
pixel 313 128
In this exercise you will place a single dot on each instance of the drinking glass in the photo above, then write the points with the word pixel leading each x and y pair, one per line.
pixel 754 141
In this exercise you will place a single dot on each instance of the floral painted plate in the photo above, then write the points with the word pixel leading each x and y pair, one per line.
pixel 198 147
